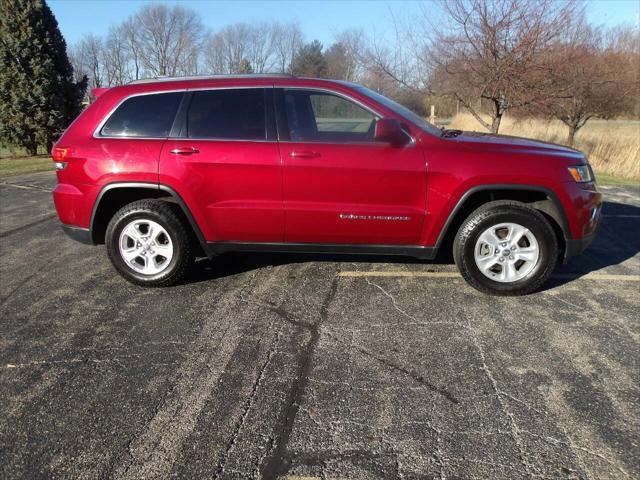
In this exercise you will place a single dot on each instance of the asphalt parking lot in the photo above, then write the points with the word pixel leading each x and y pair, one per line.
pixel 266 366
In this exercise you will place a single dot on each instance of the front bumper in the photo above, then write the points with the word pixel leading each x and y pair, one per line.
pixel 577 246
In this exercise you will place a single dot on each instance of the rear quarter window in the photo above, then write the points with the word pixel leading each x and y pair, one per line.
pixel 149 116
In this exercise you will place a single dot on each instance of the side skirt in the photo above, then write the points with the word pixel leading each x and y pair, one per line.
pixel 417 251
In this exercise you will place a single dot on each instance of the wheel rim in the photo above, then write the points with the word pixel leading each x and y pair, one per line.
pixel 146 247
pixel 506 252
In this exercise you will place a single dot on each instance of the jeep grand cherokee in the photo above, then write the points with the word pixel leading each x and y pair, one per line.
pixel 165 170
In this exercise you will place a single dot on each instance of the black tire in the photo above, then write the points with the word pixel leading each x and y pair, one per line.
pixel 163 214
pixel 494 213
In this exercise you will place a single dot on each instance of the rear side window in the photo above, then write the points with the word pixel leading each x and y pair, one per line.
pixel 149 116
pixel 235 114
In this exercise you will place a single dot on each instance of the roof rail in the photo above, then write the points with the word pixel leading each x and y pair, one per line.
pixel 210 77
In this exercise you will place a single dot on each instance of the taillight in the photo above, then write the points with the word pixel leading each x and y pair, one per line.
pixel 59 153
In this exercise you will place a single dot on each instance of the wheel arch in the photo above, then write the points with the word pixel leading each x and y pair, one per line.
pixel 114 196
pixel 541 198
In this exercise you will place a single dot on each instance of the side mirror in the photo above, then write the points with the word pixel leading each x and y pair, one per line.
pixel 389 130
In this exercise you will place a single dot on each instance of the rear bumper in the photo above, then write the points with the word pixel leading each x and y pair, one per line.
pixel 74 203
pixel 79 234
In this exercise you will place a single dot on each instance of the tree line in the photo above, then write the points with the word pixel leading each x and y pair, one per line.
pixel 487 57
pixel 490 57
pixel 524 57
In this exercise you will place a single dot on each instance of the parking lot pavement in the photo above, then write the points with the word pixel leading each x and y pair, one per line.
pixel 303 366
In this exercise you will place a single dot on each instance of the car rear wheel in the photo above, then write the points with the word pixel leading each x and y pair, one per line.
pixel 506 248
pixel 148 244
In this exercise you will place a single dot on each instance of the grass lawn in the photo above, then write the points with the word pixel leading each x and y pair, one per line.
pixel 603 179
pixel 10 166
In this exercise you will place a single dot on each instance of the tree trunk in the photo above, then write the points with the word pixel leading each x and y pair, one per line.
pixel 31 149
pixel 572 135
pixel 498 111
pixel 495 124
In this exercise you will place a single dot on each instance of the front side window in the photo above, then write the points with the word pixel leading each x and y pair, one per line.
pixel 324 117
pixel 399 109
pixel 149 116
pixel 235 114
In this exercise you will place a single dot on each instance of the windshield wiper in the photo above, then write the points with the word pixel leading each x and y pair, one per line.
pixel 446 133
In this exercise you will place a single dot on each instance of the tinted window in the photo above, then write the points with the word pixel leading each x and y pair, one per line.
pixel 319 116
pixel 144 116
pixel 237 114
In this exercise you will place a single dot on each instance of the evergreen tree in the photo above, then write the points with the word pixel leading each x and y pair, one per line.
pixel 38 95
pixel 310 61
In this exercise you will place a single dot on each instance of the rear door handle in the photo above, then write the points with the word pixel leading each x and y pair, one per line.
pixel 304 154
pixel 185 151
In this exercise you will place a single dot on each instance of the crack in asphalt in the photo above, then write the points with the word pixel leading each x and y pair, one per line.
pixel 515 429
pixel 278 461
pixel 248 403
pixel 393 301
pixel 154 448
pixel 28 225
pixel 572 446
pixel 419 378
pixel 26 186
pixel 381 464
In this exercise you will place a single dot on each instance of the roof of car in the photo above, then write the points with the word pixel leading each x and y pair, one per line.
pixel 212 77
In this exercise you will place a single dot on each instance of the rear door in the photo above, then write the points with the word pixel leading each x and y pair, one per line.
pixel 340 185
pixel 226 164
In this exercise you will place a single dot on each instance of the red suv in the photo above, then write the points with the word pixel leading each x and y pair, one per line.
pixel 166 170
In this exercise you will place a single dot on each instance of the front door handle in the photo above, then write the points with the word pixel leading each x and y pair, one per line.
pixel 304 154
pixel 185 151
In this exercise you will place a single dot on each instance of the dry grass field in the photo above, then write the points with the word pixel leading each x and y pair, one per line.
pixel 612 146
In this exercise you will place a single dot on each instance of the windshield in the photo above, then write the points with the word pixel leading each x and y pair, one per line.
pixel 399 109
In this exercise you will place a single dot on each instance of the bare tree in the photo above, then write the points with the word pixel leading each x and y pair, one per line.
pixel 494 50
pixel 239 47
pixel 215 56
pixel 591 77
pixel 88 56
pixel 260 48
pixel 77 62
pixel 287 40
pixel 168 39
pixel 129 32
pixel 117 57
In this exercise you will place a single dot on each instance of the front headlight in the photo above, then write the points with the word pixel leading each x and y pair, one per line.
pixel 581 173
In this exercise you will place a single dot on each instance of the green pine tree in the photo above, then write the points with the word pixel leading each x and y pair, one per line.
pixel 310 61
pixel 38 95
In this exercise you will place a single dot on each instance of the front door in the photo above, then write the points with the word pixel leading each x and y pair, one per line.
pixel 339 185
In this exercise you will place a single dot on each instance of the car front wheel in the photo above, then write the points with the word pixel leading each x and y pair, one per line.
pixel 506 248
pixel 148 244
